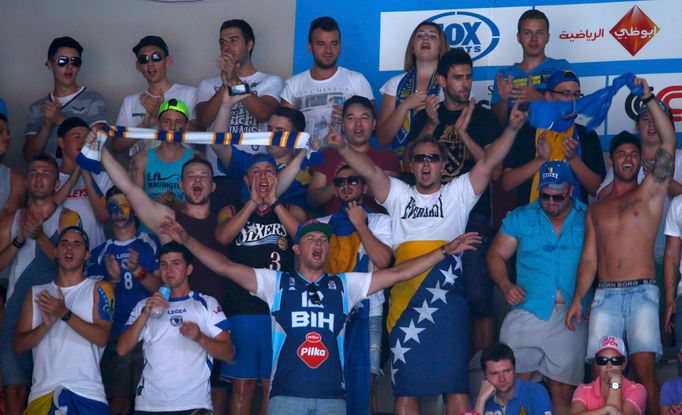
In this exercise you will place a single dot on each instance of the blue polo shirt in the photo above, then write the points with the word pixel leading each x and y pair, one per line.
pixel 529 398
pixel 545 262
pixel 539 75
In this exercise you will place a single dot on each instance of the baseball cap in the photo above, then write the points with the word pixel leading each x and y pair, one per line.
pixel 643 108
pixel 70 123
pixel 151 40
pixel 558 77
pixel 312 225
pixel 175 105
pixel 611 342
pixel 555 174
pixel 259 158
pixel 78 230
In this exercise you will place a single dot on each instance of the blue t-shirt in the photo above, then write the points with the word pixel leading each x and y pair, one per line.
pixel 671 392
pixel 530 396
pixel 545 262
pixel 540 74
pixel 296 194
pixel 128 291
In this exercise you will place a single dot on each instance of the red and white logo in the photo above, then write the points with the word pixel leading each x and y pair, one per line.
pixel 313 352
pixel 672 97
pixel 609 341
pixel 634 30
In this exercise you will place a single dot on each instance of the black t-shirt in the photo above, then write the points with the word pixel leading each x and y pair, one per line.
pixel 483 129
pixel 524 150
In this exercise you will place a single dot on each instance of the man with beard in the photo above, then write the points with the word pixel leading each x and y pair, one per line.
pixel 464 148
pixel 547 237
pixel 66 323
pixel 620 231
pixel 321 91
pixel 196 184
pixel 27 240
pixel 423 216
pixel 128 261
pixel 260 236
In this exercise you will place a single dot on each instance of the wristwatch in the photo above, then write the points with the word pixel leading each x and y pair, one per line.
pixel 614 385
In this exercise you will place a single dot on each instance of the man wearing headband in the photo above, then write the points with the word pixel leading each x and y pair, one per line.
pixel 27 242
pixel 152 60
pixel 67 99
pixel 157 170
pixel 610 393
pixel 547 237
pixel 308 309
pixel 66 323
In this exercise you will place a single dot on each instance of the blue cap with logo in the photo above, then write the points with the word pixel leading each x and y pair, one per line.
pixel 555 175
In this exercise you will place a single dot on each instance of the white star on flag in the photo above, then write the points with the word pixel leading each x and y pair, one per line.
pixel 425 312
pixel 393 372
pixel 450 276
pixel 438 293
pixel 458 261
pixel 399 352
pixel 411 332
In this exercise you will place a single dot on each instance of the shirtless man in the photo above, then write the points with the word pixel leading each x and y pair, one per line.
pixel 620 231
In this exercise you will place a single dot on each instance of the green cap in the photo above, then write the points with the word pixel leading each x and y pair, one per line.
pixel 175 105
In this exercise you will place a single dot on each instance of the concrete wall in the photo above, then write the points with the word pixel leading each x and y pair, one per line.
pixel 108 29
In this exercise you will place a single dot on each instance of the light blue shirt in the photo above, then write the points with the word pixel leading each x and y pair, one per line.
pixel 545 262
pixel 530 396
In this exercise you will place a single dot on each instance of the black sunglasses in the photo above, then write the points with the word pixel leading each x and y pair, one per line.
pixel 64 60
pixel 569 94
pixel 615 360
pixel 423 158
pixel 556 198
pixel 351 180
pixel 313 296
pixel 155 57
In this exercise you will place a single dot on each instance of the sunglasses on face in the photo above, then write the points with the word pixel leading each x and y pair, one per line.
pixel 313 296
pixel 350 180
pixel 424 158
pixel 154 57
pixel 576 94
pixel 615 360
pixel 556 198
pixel 62 61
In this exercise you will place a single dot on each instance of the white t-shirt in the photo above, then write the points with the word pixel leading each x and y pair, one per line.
pixel 440 216
pixel 132 112
pixel 77 200
pixel 673 226
pixel 241 120
pixel 315 98
pixel 177 371
pixel 659 247
pixel 380 226
pixel 391 87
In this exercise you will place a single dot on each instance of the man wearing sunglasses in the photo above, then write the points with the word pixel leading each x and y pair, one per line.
pixel 141 110
pixel 67 99
pixel 580 148
pixel 610 393
pixel 547 237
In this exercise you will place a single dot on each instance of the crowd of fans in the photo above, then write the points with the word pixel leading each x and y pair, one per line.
pixel 188 279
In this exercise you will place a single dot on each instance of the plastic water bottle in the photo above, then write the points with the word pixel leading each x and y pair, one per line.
pixel 157 311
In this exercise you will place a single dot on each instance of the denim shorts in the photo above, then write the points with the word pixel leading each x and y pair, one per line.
pixel 374 343
pixel 631 313
pixel 291 405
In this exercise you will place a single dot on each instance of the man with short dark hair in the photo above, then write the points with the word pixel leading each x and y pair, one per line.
pixel 502 392
pixel 152 60
pixel 179 346
pixel 67 99
pixel 545 281
pixel 321 91
pixel 525 81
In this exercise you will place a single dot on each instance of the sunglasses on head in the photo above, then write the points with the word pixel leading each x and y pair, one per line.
pixel 64 60
pixel 154 57
pixel 615 360
pixel 556 198
pixel 423 158
pixel 313 296
pixel 350 180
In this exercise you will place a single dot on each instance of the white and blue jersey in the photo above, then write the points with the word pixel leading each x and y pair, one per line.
pixel 177 370
pixel 128 291
pixel 308 338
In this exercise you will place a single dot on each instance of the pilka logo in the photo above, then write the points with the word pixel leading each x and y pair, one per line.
pixel 634 30
pixel 312 351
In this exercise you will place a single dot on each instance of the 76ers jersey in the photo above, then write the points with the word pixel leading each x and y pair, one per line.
pixel 307 337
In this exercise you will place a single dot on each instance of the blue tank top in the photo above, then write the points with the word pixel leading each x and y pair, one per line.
pixel 161 176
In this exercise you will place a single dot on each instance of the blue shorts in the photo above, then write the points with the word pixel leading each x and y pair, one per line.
pixel 631 313
pixel 252 339
pixel 65 401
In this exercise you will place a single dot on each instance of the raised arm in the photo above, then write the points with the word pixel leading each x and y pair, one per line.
pixel 240 274
pixel 379 253
pixel 376 178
